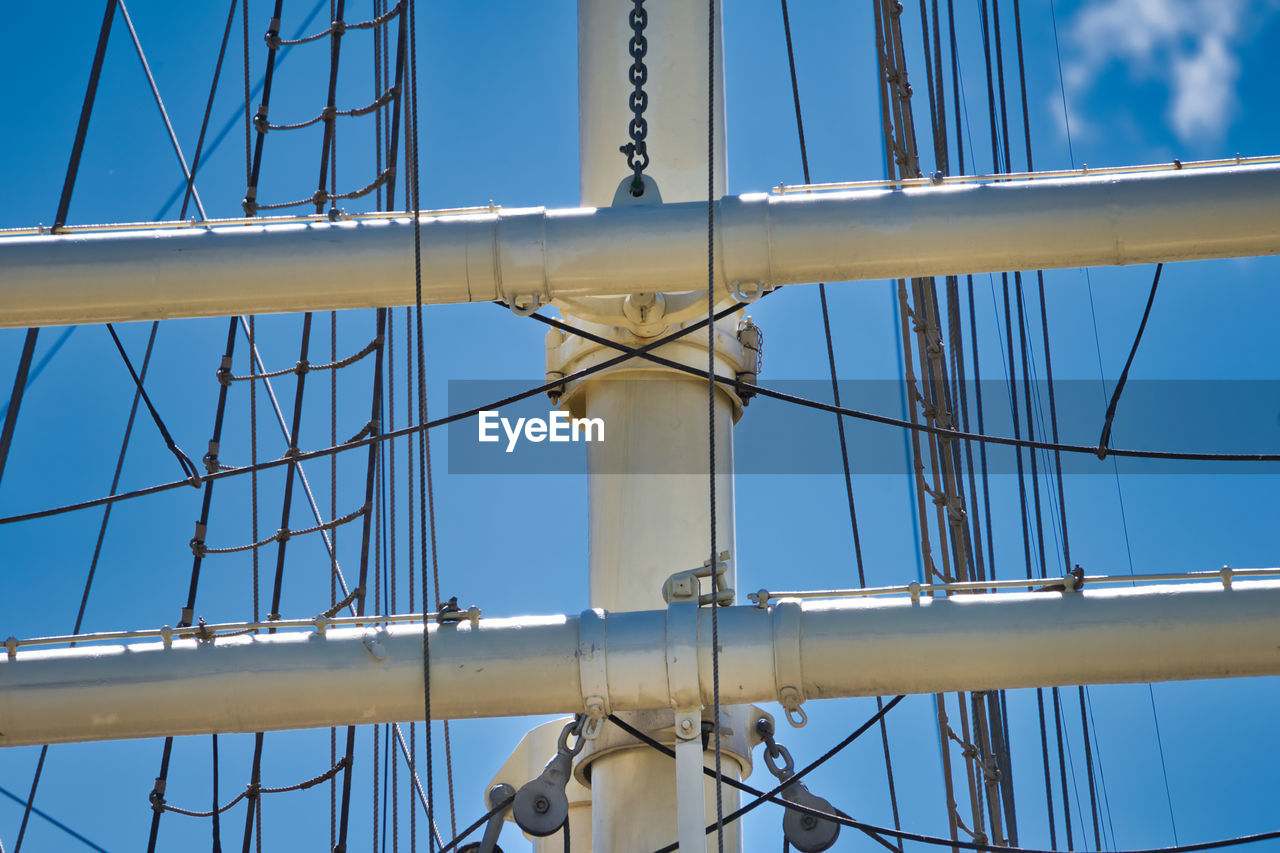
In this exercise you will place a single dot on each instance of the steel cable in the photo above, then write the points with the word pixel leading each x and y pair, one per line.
pixel 646 353
pixel 835 390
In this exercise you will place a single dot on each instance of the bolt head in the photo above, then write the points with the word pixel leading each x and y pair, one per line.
pixel 686 725
pixel 808 821
pixel 541 805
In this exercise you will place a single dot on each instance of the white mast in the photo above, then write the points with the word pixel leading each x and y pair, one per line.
pixel 649 523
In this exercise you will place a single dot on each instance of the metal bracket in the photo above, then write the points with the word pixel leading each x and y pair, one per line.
pixel 450 613
pixel 684 686
pixel 623 197
pixel 534 303
pixel 686 586
pixel 593 671
pixel 788 672
pixel 373 642
pixel 747 291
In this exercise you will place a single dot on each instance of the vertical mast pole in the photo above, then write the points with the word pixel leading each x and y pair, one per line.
pixel 648 506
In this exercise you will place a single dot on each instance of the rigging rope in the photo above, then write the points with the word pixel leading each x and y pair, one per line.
pixel 835 391
pixel 302 476
pixel 51 819
pixel 187 174
pixel 15 396
pixel 254 804
pixel 183 460
pixel 253 791
pixel 225 376
pixel 873 831
pixel 645 352
pixel 188 611
pixel 772 795
pixel 93 567
pixel 208 110
pixel 426 507
pixel 1105 438
pixel 82 128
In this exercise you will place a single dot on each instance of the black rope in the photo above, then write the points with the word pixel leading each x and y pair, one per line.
pixel 248 120
pixel 251 191
pixel 292 459
pixel 188 611
pixel 1124 374
pixel 284 533
pixel 874 831
pixel 772 795
pixel 645 352
pixel 15 396
pixel 323 196
pixel 115 480
pixel 424 446
pixel 217 817
pixel 82 128
pixel 374 417
pixel 303 366
pixel 93 566
pixel 835 390
pixel 188 466
pixel 1057 456
pixel 208 110
pixel 255 790
pixel 28 350
pixel 328 150
pixel 338 26
pixel 211 462
pixel 327 113
pixel 462 836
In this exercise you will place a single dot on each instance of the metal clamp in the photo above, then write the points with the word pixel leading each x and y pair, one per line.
pixel 687 585
pixel 450 613
pixel 788 672
pixel 593 671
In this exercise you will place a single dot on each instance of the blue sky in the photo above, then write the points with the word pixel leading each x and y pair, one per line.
pixel 1144 81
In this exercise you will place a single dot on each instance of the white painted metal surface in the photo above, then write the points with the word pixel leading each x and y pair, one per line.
pixel 860 647
pixel 777 239
pixel 647 523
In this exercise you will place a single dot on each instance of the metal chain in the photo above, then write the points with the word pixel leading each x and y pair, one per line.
pixel 775 752
pixel 636 150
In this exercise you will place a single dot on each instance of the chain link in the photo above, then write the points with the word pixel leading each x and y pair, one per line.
pixel 638 129
pixel 775 752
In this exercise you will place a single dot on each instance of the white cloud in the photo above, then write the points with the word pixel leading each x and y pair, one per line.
pixel 1189 44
